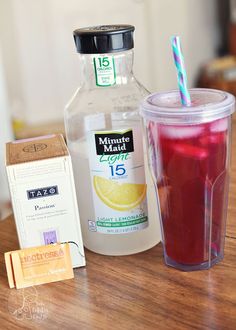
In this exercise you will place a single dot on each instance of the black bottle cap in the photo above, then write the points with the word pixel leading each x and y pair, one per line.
pixel 104 39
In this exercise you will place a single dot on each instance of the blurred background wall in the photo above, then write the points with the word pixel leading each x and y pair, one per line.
pixel 39 67
pixel 39 58
pixel 6 134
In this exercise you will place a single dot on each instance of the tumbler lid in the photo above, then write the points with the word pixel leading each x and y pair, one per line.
pixel 207 105
pixel 104 39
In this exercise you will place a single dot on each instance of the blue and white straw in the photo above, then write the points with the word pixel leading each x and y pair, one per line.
pixel 181 72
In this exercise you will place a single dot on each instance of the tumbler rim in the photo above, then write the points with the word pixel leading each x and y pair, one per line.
pixel 165 107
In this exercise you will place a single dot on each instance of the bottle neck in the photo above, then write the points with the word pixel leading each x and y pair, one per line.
pixel 102 70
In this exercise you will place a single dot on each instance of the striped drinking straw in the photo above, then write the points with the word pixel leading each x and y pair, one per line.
pixel 182 76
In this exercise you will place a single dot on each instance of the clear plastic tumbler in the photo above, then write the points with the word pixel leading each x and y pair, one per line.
pixel 189 157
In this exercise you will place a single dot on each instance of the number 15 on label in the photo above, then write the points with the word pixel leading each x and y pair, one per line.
pixel 117 170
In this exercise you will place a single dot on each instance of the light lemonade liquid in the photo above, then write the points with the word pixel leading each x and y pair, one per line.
pixel 105 140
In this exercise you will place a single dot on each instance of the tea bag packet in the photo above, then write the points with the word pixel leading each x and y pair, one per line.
pixel 38 265
pixel 43 194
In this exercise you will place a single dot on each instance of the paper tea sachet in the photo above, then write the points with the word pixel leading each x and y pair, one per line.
pixel 38 265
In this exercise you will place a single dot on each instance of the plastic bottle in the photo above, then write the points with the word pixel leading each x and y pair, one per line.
pixel 104 136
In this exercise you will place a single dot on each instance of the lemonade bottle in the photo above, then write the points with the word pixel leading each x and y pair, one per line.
pixel 105 140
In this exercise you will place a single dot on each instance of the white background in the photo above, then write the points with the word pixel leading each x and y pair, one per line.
pixel 41 63
pixel 39 70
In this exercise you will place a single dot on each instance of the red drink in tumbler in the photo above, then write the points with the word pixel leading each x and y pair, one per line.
pixel 189 160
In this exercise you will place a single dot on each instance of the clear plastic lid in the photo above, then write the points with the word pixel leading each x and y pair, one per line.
pixel 207 105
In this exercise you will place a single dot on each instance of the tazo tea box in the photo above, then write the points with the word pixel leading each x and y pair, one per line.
pixel 43 194
pixel 38 265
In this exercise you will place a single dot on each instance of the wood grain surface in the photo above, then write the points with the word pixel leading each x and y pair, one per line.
pixel 131 292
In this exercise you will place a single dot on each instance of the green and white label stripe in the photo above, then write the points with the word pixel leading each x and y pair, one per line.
pixel 121 223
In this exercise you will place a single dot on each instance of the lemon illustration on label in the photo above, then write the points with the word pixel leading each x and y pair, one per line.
pixel 121 197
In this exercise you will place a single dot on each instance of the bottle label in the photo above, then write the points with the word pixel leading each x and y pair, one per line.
pixel 104 68
pixel 118 181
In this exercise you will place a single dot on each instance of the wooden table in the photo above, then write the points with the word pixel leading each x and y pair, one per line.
pixel 131 292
